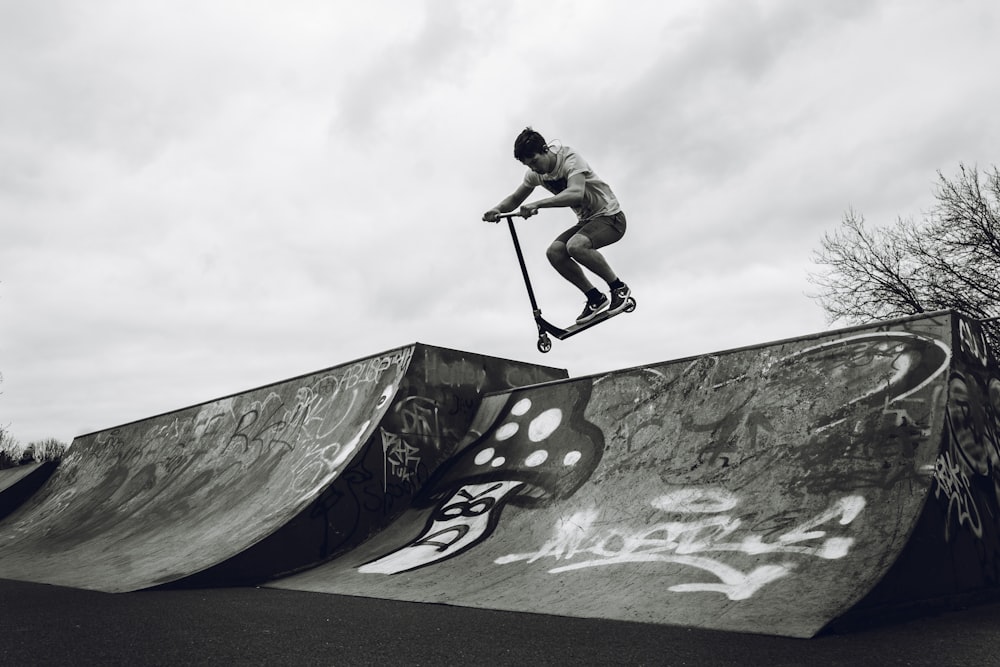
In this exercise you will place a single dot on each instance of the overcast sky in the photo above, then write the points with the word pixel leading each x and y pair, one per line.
pixel 201 197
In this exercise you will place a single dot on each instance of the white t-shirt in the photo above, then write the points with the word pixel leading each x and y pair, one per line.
pixel 598 199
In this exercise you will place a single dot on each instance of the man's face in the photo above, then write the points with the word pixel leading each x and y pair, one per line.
pixel 540 163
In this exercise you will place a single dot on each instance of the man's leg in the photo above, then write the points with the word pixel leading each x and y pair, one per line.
pixel 561 261
pixel 583 245
pixel 581 249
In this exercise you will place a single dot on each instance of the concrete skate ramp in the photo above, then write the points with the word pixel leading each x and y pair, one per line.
pixel 766 490
pixel 165 498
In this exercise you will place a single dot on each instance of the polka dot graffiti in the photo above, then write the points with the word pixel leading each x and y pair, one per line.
pixel 540 428
pixel 534 454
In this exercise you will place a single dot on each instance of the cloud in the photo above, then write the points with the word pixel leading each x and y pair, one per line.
pixel 432 56
pixel 201 197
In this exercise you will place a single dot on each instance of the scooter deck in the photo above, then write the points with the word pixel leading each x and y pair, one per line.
pixel 546 328
pixel 564 333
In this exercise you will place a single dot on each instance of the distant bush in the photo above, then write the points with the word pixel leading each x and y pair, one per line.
pixel 10 449
pixel 12 454
pixel 49 449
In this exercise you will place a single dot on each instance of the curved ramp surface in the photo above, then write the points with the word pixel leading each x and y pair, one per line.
pixel 766 489
pixel 19 483
pixel 161 499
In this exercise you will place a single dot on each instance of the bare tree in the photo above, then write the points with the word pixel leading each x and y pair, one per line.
pixel 40 451
pixel 10 449
pixel 951 259
pixel 13 454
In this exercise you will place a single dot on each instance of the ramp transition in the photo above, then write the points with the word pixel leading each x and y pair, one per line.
pixel 17 484
pixel 772 489
pixel 256 484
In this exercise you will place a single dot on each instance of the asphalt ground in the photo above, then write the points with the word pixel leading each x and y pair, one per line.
pixel 51 625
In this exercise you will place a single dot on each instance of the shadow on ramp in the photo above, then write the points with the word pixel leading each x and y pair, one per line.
pixel 20 483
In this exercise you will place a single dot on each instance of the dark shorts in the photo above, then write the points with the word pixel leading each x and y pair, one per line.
pixel 601 231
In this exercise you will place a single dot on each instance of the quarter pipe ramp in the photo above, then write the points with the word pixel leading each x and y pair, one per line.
pixel 770 489
pixel 314 464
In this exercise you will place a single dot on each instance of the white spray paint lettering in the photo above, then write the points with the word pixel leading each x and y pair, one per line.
pixel 687 542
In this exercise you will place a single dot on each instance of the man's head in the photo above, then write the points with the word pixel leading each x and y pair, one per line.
pixel 532 150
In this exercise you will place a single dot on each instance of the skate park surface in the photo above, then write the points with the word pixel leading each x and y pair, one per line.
pixel 52 625
pixel 813 486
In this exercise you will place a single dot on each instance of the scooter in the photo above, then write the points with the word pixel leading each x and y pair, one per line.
pixel 545 328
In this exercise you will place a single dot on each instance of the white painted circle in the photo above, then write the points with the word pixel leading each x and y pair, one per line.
pixel 536 458
pixel 544 424
pixel 483 457
pixel 521 407
pixel 572 458
pixel 697 501
pixel 507 431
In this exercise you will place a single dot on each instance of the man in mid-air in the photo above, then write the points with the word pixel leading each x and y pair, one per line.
pixel 601 222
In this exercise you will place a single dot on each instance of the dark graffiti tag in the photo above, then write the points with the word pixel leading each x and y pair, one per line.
pixel 967 473
pixel 401 459
pixel 952 484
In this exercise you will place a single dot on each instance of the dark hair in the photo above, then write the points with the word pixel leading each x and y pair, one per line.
pixel 528 144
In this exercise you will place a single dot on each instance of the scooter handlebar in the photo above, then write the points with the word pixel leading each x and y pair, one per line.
pixel 505 216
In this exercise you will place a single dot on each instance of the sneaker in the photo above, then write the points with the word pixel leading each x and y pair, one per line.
pixel 619 299
pixel 592 310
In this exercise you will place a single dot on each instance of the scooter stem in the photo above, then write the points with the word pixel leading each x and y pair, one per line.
pixel 520 260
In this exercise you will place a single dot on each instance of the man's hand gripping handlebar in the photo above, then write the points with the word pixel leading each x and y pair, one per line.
pixel 523 213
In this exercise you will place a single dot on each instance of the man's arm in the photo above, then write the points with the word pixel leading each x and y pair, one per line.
pixel 571 196
pixel 510 202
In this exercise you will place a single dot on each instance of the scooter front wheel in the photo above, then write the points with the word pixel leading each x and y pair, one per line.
pixel 544 344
